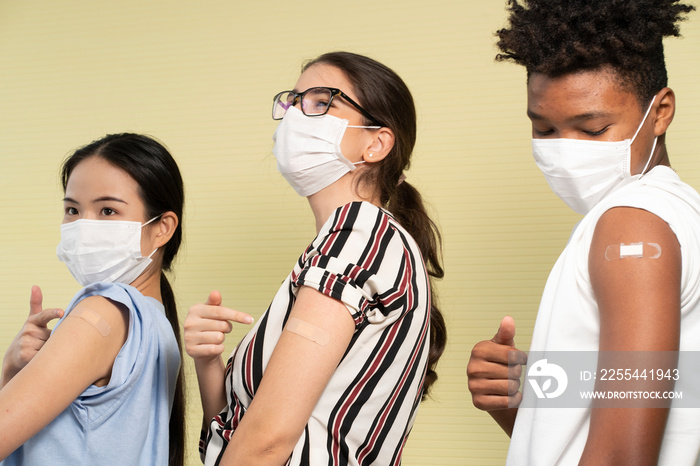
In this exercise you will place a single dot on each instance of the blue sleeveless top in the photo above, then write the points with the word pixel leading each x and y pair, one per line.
pixel 125 421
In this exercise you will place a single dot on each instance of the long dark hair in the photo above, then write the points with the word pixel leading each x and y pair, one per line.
pixel 161 190
pixel 383 94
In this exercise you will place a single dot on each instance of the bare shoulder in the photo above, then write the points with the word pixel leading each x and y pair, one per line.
pixel 626 221
pixel 109 318
pixel 627 232
pixel 635 270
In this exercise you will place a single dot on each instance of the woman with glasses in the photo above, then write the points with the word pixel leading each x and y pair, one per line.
pixel 334 371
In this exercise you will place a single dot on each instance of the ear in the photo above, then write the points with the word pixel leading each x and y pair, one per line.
pixel 665 109
pixel 382 143
pixel 165 228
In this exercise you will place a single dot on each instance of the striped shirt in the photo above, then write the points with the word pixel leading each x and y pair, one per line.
pixel 365 259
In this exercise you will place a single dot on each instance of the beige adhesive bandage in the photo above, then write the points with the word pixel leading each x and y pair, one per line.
pixel 94 319
pixel 633 250
pixel 308 331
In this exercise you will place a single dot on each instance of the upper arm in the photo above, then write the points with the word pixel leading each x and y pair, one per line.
pixel 296 375
pixel 638 298
pixel 74 357
pixel 639 305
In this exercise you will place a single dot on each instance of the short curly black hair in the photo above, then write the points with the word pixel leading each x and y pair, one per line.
pixel 558 37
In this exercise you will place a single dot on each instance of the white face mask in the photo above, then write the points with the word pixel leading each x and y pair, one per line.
pixel 583 172
pixel 307 150
pixel 103 250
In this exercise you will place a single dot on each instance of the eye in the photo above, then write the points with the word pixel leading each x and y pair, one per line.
pixel 596 133
pixel 314 105
pixel 540 134
pixel 106 211
pixel 71 211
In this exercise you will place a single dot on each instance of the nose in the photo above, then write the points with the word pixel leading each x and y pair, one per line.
pixel 297 102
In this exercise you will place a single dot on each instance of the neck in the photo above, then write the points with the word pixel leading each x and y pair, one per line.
pixel 660 156
pixel 148 283
pixel 343 191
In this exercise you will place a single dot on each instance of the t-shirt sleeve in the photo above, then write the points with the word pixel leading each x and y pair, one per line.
pixel 362 260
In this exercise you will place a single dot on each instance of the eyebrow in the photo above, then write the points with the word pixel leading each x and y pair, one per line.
pixel 99 199
pixel 582 117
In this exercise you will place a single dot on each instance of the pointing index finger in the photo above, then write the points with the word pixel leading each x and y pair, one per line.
pixel 225 313
pixel 43 318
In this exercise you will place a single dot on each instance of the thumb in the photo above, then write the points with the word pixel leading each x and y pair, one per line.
pixel 506 332
pixel 214 298
pixel 35 301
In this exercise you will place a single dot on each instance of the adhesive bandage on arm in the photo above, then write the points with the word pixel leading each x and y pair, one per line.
pixel 638 250
pixel 308 331
pixel 94 319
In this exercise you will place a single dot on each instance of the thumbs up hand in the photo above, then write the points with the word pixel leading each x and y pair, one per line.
pixel 493 383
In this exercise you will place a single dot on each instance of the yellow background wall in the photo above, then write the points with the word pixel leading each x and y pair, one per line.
pixel 200 76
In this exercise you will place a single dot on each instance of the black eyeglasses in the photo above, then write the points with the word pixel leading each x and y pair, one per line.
pixel 315 101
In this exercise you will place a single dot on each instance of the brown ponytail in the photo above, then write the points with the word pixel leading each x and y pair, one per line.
pixel 383 94
pixel 406 204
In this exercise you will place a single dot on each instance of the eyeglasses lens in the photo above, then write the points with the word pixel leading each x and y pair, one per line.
pixel 316 101
pixel 282 103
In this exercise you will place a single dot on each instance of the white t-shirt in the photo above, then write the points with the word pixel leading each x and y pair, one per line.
pixel 568 320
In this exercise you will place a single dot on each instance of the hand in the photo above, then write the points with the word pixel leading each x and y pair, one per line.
pixel 206 327
pixel 31 337
pixel 491 379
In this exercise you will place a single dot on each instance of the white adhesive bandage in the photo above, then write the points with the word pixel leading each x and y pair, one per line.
pixel 94 319
pixel 638 250
pixel 307 330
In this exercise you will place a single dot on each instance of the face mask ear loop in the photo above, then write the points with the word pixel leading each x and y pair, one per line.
pixel 637 132
pixel 643 120
pixel 157 216
pixel 653 147
pixel 154 218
